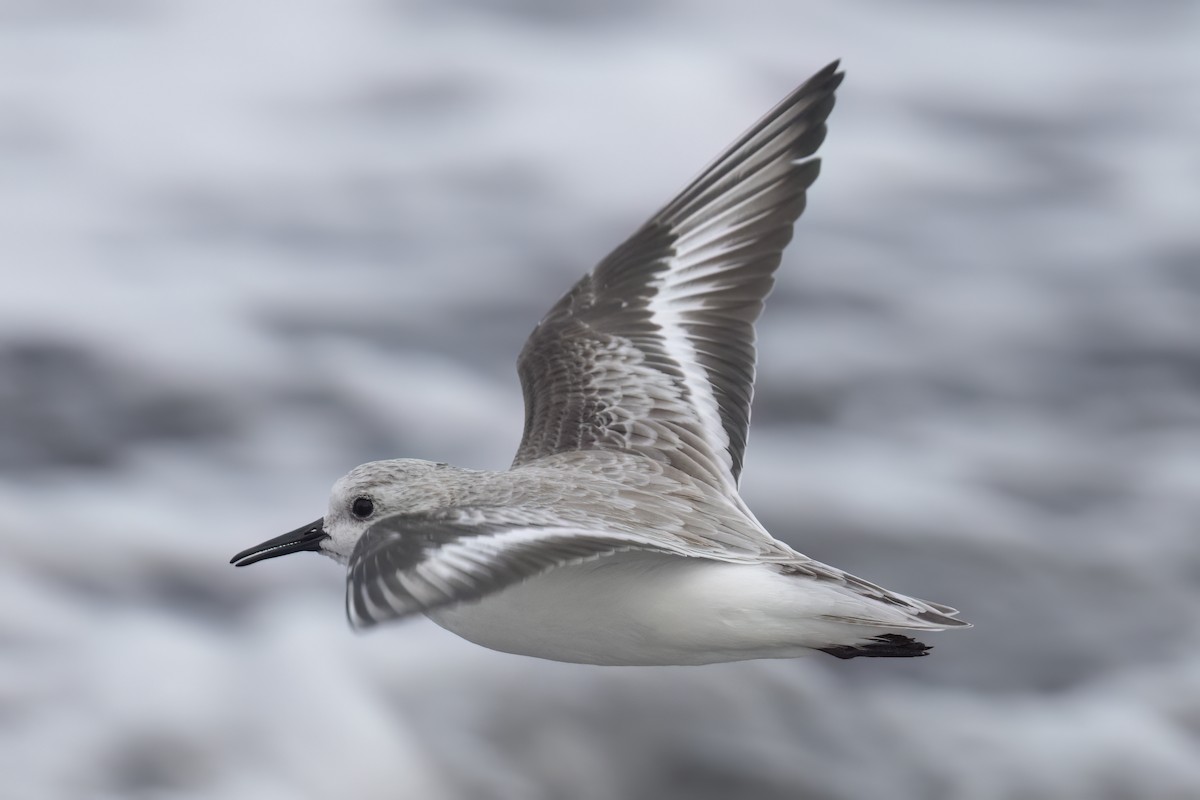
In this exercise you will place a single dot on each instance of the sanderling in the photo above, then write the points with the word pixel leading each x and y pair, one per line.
pixel 618 535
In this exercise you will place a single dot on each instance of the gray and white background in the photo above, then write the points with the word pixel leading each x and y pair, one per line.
pixel 247 246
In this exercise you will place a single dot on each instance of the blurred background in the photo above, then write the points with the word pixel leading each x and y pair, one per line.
pixel 247 246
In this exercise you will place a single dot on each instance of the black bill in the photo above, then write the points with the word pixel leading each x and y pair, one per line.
pixel 306 537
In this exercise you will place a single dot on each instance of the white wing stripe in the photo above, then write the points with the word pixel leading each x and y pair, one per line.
pixel 677 344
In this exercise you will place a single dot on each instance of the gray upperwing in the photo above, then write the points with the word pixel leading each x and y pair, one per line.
pixel 653 351
pixel 409 564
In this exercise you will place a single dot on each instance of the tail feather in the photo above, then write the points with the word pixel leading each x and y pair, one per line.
pixel 875 606
pixel 887 645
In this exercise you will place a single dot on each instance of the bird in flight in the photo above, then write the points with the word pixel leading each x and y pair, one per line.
pixel 618 535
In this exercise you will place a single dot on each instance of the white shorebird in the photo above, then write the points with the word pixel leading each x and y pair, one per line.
pixel 618 535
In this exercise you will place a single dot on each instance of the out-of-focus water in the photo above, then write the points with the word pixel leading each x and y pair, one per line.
pixel 246 246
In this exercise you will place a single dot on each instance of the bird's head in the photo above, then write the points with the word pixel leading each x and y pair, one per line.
pixel 360 498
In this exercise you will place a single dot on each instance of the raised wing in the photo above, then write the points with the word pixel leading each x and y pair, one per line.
pixel 653 351
pixel 407 564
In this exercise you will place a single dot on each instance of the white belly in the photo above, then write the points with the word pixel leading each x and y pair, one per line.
pixel 638 608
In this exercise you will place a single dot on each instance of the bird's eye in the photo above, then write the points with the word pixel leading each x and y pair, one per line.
pixel 362 507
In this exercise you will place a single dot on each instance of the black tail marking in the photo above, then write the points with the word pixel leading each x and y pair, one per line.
pixel 888 645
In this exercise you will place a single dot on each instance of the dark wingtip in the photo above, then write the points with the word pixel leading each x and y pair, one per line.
pixel 831 72
pixel 889 645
